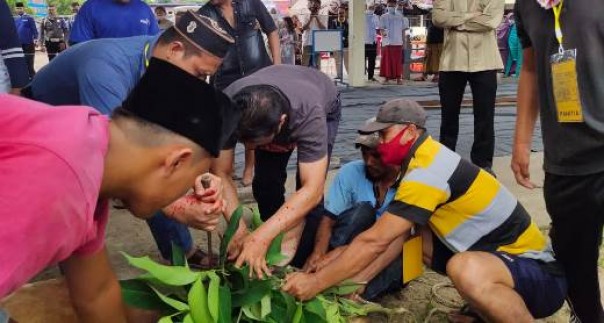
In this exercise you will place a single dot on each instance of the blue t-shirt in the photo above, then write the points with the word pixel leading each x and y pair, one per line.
pixel 351 187
pixel 26 28
pixel 99 73
pixel 113 19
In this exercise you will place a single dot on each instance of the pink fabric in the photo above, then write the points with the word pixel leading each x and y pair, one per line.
pixel 51 166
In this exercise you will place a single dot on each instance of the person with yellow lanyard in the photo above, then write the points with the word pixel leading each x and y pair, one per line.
pixel 562 82
pixel 100 73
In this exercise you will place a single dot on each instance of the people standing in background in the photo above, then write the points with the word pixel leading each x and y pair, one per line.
pixel 288 36
pixel 341 23
pixel 372 28
pixel 392 27
pixel 309 23
pixel 515 56
pixel 503 32
pixel 434 48
pixel 162 18
pixel 28 34
pixel 13 69
pixel 298 45
pixel 75 8
pixel 470 54
pixel 113 19
pixel 53 31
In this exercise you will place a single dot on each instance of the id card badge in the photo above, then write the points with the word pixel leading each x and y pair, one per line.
pixel 566 87
pixel 413 265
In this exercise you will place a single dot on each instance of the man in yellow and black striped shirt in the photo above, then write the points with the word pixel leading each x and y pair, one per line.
pixel 474 229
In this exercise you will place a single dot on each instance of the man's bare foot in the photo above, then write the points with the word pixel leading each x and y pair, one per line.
pixel 248 177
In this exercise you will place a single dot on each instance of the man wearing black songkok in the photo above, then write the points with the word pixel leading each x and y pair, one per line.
pixel 149 154
pixel 100 73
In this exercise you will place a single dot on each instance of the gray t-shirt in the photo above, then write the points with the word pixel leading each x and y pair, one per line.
pixel 570 148
pixel 312 96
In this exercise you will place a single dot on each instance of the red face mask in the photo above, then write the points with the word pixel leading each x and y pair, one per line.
pixel 392 152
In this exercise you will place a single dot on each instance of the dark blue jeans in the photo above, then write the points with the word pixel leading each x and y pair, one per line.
pixel 350 224
pixel 165 231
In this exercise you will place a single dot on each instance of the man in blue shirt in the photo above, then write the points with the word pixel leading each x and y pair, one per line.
pixel 101 73
pixel 113 19
pixel 28 33
pixel 358 195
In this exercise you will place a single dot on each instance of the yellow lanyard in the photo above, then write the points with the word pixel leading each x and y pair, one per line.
pixel 146 55
pixel 557 12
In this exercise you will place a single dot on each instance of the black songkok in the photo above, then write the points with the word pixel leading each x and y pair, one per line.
pixel 204 33
pixel 176 100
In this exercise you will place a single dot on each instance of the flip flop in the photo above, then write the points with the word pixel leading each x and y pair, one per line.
pixel 202 260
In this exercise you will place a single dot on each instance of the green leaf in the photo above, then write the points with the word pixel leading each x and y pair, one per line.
pixel 198 300
pixel 265 306
pixel 169 275
pixel 346 287
pixel 188 319
pixel 274 255
pixel 138 294
pixel 178 256
pixel 256 291
pixel 229 233
pixel 256 219
pixel 315 306
pixel 298 315
pixel 213 295
pixel 225 305
pixel 166 319
pixel 180 306
pixel 352 308
pixel 252 311
pixel 332 313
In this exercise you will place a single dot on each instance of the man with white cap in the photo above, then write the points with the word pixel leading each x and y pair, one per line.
pixel 473 229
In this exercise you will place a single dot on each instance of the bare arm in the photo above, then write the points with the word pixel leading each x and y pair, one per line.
pixel 321 243
pixel 527 112
pixel 275 45
pixel 223 168
pixel 487 19
pixel 363 250
pixel 93 288
pixel 293 211
pixel 444 17
pixel 290 215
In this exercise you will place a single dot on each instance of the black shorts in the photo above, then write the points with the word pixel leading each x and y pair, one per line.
pixel 540 285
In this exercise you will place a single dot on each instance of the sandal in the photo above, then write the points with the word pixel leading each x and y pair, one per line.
pixel 465 315
pixel 202 260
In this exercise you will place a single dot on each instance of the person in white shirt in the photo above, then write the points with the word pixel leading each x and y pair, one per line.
pixel 309 23
pixel 392 26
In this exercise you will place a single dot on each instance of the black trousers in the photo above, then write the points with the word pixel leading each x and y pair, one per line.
pixel 451 87
pixel 370 55
pixel 52 49
pixel 576 207
pixel 30 53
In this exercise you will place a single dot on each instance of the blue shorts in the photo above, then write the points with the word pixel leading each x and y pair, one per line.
pixel 542 289
pixel 542 286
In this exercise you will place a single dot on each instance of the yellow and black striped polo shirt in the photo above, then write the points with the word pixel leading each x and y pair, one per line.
pixel 466 207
